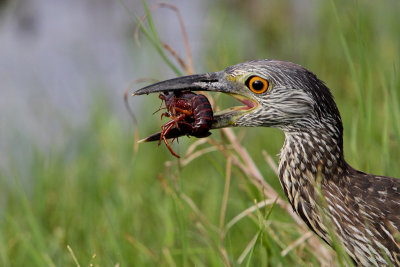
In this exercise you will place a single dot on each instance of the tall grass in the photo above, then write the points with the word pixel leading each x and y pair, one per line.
pixel 94 201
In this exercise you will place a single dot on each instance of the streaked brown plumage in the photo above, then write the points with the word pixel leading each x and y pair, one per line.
pixel 321 187
pixel 364 208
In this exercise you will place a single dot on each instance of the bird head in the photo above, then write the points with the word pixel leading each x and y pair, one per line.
pixel 274 93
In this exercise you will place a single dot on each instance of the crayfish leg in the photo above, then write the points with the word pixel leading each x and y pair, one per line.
pixel 178 119
pixel 184 111
pixel 166 114
pixel 165 129
pixel 169 147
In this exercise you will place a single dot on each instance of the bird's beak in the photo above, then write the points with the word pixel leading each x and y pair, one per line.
pixel 213 82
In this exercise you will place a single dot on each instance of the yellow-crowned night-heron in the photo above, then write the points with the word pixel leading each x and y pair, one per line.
pixel 363 208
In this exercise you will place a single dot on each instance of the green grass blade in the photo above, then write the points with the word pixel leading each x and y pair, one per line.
pixel 155 40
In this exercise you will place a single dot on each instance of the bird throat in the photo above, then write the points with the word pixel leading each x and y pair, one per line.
pixel 308 161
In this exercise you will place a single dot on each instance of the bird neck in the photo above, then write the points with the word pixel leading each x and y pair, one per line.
pixel 309 158
pixel 308 153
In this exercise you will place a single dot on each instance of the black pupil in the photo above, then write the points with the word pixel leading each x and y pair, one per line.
pixel 258 85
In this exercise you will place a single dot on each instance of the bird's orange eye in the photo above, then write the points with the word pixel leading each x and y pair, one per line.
pixel 257 84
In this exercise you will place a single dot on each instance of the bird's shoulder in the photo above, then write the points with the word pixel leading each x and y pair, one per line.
pixel 375 186
pixel 379 194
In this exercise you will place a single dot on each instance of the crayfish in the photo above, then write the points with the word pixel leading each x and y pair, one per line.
pixel 191 114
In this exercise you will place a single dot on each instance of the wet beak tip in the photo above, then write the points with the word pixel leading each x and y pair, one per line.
pixel 144 140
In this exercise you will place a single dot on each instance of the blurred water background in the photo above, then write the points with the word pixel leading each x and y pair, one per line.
pixel 58 57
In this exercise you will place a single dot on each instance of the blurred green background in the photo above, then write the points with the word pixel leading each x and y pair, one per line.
pixel 73 191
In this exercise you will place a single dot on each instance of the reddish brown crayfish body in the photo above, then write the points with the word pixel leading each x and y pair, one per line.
pixel 190 113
